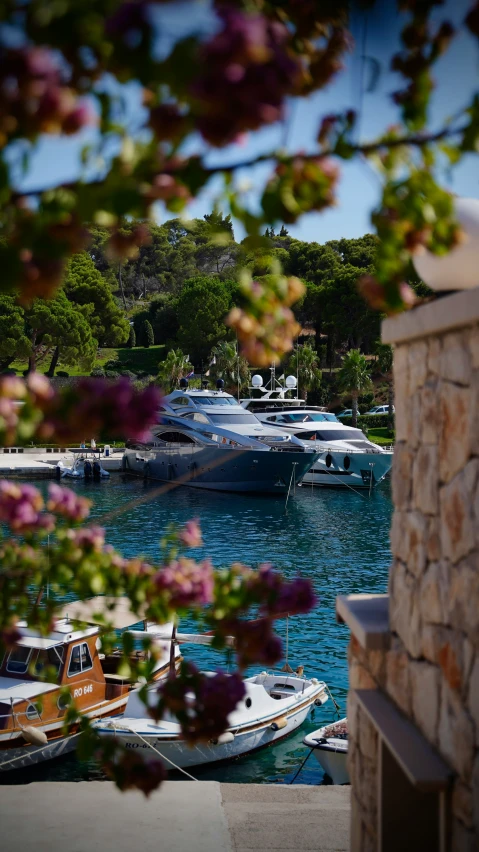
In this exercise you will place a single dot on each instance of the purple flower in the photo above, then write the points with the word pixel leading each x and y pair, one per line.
pixel 201 702
pixel 186 582
pixel 21 508
pixel 190 536
pixel 65 502
pixel 88 538
pixel 255 641
pixel 99 407
pixel 279 596
pixel 245 74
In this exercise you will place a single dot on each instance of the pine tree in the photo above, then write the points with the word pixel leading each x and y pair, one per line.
pixel 148 336
pixel 132 338
pixel 283 232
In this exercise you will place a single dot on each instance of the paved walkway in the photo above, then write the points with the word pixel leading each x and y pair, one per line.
pixel 183 816
pixel 42 465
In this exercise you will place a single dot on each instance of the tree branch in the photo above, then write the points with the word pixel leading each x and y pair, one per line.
pixel 417 140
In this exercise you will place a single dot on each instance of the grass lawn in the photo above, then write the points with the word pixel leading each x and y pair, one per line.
pixel 381 435
pixel 138 360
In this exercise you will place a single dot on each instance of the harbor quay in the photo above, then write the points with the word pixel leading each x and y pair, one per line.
pixel 182 816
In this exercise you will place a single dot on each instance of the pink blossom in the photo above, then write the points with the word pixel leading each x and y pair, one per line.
pixel 89 538
pixel 65 502
pixel 186 582
pixel 190 536
pixel 255 641
pixel 21 508
pixel 40 386
pixel 12 387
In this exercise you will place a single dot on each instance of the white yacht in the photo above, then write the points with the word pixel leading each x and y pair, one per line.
pixel 346 456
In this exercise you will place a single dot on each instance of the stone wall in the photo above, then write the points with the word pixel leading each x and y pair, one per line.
pixel 431 671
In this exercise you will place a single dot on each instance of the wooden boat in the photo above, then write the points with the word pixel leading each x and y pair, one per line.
pixel 330 748
pixel 274 706
pixel 32 711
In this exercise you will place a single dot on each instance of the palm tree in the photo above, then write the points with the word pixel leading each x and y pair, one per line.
pixel 304 361
pixel 354 378
pixel 173 368
pixel 225 364
pixel 385 364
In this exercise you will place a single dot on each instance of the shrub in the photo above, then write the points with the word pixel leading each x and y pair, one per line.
pixel 98 373
pixel 63 374
pixel 128 374
pixel 111 374
pixel 378 420
pixel 132 337
pixel 148 337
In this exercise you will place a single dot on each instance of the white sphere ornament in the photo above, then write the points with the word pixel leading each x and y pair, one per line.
pixel 257 381
pixel 290 382
pixel 459 268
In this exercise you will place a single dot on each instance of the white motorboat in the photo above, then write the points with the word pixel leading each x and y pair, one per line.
pixel 209 455
pixel 274 706
pixel 346 457
pixel 33 711
pixel 87 465
pixel 330 748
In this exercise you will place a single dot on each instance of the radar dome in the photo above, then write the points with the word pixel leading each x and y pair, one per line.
pixel 290 382
pixel 257 381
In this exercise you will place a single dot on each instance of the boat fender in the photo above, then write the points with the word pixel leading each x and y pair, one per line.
pixel 279 724
pixel 314 680
pixel 224 739
pixel 34 736
pixel 347 462
pixel 318 702
pixel 329 460
pixel 58 472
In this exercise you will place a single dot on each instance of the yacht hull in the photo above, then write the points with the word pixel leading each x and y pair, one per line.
pixel 221 468
pixel 365 470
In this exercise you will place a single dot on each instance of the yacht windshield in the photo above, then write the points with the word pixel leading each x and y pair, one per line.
pixel 331 435
pixel 303 417
pixel 224 419
pixel 213 400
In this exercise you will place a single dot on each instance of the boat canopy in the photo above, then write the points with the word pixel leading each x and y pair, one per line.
pixel 38 642
pixel 116 611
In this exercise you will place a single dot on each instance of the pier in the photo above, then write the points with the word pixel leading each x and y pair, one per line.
pixel 182 816
pixel 40 463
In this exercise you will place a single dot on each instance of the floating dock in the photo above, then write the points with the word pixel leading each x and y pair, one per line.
pixel 30 463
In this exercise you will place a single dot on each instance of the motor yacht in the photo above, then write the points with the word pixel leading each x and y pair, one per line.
pixel 33 710
pixel 215 450
pixel 346 457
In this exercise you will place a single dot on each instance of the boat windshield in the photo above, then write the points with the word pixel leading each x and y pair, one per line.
pixel 303 417
pixel 227 417
pixel 331 435
pixel 213 400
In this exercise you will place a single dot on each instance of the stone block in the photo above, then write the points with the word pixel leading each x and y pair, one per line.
pixel 456 514
pixel 396 535
pixel 462 805
pixel 367 737
pixel 475 794
pixel 433 540
pixel 429 416
pixel 413 416
pixel 456 358
pixel 415 531
pixel 402 471
pixel 434 356
pixel 473 700
pixel 462 840
pixel 473 343
pixel 456 733
pixel 397 677
pixel 417 363
pixel 426 480
pixel 401 390
pixel 433 591
pixel 359 677
pixel 425 682
pixel 463 598
pixel 455 419
pixel 475 413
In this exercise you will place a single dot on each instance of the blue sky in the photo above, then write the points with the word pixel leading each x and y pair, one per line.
pixel 456 76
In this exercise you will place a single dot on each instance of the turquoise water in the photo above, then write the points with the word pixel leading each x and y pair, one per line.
pixel 338 539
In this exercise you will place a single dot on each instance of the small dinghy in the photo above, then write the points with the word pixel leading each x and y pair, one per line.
pixel 330 746
pixel 273 707
pixel 86 466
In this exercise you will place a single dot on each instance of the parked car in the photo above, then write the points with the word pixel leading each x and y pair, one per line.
pixel 348 412
pixel 380 409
